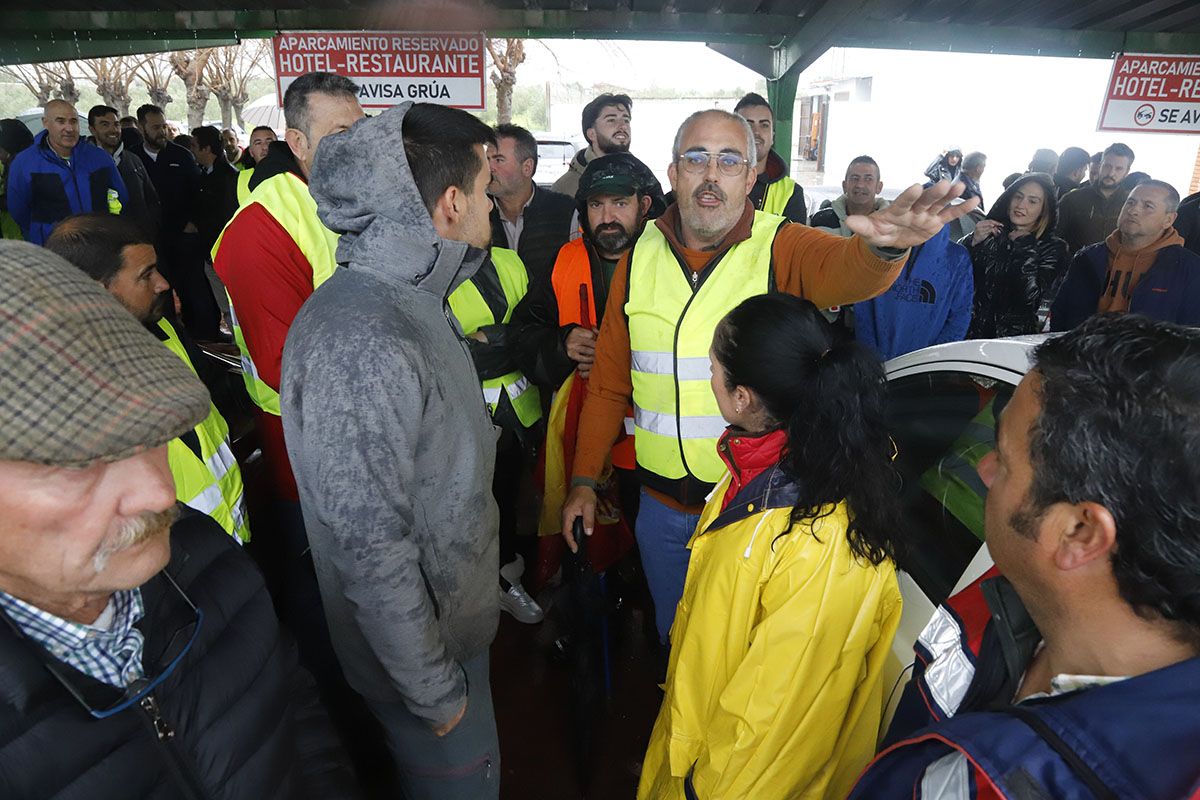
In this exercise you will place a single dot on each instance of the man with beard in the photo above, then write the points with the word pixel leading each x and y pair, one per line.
pixel 1089 213
pixel 120 256
pixel 142 203
pixel 229 141
pixel 393 446
pixel 606 127
pixel 176 178
pixel 534 222
pixel 708 252
pixel 559 320
pixel 142 657
pixel 60 175
pixel 774 192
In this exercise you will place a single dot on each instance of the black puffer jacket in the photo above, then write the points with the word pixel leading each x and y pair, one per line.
pixel 244 721
pixel 1014 276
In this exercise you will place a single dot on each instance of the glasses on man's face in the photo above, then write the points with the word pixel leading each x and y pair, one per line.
pixel 730 164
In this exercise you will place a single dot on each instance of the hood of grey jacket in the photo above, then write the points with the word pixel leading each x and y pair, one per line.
pixel 366 192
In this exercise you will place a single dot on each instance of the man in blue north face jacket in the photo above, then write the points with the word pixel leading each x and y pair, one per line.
pixel 61 175
pixel 1074 670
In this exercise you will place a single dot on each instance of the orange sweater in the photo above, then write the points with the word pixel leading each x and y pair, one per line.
pixel 826 269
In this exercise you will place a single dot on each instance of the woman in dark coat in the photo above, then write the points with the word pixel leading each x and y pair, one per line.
pixel 1017 259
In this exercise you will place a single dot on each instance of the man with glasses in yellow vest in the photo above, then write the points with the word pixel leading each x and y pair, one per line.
pixel 708 252
pixel 117 253
pixel 483 306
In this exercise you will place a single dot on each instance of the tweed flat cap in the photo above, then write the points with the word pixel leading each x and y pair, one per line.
pixel 80 379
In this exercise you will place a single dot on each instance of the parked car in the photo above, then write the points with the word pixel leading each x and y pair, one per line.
pixel 554 157
pixel 942 402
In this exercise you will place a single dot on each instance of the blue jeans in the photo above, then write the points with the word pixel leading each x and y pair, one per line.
pixel 462 765
pixel 662 537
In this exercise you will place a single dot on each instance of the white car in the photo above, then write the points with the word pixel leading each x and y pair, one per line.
pixel 941 401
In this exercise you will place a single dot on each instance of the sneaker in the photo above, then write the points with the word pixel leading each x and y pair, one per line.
pixel 517 602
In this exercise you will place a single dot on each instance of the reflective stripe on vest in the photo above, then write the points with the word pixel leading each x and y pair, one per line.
pixel 472 312
pixel 572 269
pixel 212 482
pixel 285 197
pixel 676 418
pixel 776 198
pixel 243 185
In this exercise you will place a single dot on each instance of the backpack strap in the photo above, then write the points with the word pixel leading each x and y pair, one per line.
pixel 1085 773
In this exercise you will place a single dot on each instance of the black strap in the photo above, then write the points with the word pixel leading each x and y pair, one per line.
pixel 1082 771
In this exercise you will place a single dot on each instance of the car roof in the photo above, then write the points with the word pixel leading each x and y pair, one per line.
pixel 1003 359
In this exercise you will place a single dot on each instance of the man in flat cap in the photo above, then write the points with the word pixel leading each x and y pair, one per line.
pixel 141 657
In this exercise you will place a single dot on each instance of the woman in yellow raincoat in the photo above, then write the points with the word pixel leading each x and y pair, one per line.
pixel 774 687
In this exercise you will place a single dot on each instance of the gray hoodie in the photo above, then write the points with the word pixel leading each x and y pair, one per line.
pixel 388 435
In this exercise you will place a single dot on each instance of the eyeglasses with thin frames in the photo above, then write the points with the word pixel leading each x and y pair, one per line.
pixel 729 164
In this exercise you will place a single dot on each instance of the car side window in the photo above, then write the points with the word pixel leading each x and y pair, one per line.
pixel 943 424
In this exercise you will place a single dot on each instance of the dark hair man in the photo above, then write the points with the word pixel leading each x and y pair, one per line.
pixel 120 256
pixel 653 347
pixel 1141 268
pixel 229 141
pixel 773 192
pixel 617 195
pixel 605 123
pixel 1044 160
pixel 142 204
pixel 1071 170
pixel 218 201
pixel 1082 676
pixel 525 218
pixel 379 393
pixel 1088 214
pixel 260 139
pixel 60 174
pixel 148 644
pixel 129 122
pixel 176 177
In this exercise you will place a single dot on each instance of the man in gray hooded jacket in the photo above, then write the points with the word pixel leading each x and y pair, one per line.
pixel 392 445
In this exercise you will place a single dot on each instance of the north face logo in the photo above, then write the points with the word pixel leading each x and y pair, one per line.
pixel 915 291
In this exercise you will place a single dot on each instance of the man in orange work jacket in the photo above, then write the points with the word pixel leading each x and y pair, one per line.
pixel 559 320
pixel 704 255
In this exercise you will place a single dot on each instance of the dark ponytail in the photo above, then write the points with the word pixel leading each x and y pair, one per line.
pixel 829 395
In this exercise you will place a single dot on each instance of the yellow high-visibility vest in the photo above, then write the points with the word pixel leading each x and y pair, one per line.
pixel 286 198
pixel 672 314
pixel 776 198
pixel 472 312
pixel 210 482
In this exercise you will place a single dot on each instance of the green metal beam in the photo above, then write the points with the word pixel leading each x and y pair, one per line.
pixel 63 48
pixel 1011 40
pixel 814 37
pixel 529 23
pixel 781 94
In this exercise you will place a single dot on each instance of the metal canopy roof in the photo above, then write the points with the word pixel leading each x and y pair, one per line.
pixel 770 36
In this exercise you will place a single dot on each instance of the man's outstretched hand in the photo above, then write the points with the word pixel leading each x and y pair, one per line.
pixel 913 217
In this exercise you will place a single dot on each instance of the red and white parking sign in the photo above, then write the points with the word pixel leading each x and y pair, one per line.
pixel 389 67
pixel 1152 94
